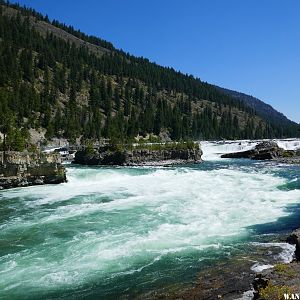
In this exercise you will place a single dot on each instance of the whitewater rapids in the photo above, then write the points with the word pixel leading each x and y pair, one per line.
pixel 214 150
pixel 119 227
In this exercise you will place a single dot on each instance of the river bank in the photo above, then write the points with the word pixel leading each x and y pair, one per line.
pixel 270 270
pixel 283 280
pixel 21 169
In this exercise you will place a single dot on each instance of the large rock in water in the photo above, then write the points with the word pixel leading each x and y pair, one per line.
pixel 262 151
pixel 18 169
pixel 135 157
pixel 294 239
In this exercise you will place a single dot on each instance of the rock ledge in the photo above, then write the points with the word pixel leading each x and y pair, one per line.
pixel 19 169
pixel 137 157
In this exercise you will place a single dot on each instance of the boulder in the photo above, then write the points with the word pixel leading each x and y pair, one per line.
pixel 262 151
pixel 259 282
pixel 294 239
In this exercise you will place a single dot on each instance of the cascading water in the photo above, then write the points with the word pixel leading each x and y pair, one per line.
pixel 213 150
pixel 123 231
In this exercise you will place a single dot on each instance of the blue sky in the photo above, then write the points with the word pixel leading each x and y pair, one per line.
pixel 252 46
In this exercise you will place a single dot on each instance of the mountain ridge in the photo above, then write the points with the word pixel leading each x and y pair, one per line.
pixel 81 86
pixel 261 106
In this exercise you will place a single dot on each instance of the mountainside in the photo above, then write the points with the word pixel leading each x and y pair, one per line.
pixel 262 108
pixel 57 80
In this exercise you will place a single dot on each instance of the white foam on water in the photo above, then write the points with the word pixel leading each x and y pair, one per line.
pixel 214 150
pixel 257 267
pixel 287 254
pixel 148 214
pixel 248 295
pixel 289 144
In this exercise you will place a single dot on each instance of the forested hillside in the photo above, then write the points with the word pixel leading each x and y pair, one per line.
pixel 262 108
pixel 72 85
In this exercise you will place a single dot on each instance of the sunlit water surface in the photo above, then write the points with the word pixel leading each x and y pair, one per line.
pixel 125 231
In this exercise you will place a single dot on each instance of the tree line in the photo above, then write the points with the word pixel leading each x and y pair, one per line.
pixel 48 82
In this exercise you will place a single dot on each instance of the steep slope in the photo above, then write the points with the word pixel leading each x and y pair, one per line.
pixel 261 107
pixel 43 26
pixel 57 79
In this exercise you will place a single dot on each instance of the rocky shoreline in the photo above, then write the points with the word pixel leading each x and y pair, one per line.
pixel 283 279
pixel 20 169
pixel 236 278
pixel 289 160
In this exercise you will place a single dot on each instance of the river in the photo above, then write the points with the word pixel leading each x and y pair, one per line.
pixel 112 233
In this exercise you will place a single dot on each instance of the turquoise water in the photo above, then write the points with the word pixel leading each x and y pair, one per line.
pixel 119 232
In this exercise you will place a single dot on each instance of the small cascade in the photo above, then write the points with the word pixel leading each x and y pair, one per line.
pixel 214 150
pixel 290 144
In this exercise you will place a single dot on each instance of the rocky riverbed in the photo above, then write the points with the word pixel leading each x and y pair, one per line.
pixel 19 169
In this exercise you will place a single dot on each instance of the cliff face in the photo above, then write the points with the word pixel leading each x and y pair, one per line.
pixel 18 169
pixel 138 157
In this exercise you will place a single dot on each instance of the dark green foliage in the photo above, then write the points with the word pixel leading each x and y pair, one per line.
pixel 48 82
pixel 13 138
pixel 188 145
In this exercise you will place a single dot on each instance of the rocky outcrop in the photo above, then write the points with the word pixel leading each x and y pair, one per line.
pixel 19 169
pixel 282 279
pixel 294 239
pixel 262 151
pixel 104 156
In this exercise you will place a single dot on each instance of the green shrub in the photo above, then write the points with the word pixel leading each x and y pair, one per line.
pixel 116 147
pixel 274 292
pixel 188 145
pixel 89 148
pixel 33 148
pixel 154 139
pixel 288 154
pixel 284 269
